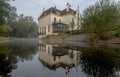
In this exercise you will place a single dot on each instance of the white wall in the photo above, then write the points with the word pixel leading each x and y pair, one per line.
pixel 56 16
pixel 45 22
pixel 67 18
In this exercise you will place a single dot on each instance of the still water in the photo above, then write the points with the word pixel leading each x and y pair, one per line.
pixel 30 58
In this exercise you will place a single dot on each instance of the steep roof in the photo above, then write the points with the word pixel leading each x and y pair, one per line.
pixel 57 11
pixel 56 65
pixel 51 10
pixel 66 12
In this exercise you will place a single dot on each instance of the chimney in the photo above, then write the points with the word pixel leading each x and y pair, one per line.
pixel 68 7
pixel 43 9
pixel 78 8
pixel 55 6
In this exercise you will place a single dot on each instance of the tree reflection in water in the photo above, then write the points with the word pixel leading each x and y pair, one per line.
pixel 98 62
pixel 94 61
pixel 7 64
pixel 12 52
pixel 24 49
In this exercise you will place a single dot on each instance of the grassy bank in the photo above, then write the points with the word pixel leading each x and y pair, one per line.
pixel 55 38
pixel 6 38
pixel 77 39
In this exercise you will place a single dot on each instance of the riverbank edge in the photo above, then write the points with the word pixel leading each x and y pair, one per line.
pixel 6 39
pixel 80 40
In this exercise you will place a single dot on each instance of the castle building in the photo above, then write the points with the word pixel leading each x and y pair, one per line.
pixel 53 20
pixel 54 56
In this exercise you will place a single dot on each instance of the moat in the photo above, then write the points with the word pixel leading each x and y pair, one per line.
pixel 33 58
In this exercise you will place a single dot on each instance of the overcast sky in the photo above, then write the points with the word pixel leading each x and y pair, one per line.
pixel 34 7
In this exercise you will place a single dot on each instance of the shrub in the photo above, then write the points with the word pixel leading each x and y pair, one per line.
pixel 5 30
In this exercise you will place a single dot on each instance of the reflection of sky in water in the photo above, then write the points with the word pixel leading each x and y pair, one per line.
pixel 35 68
pixel 51 57
pixel 32 62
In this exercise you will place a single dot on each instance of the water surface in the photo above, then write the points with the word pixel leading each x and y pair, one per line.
pixel 30 58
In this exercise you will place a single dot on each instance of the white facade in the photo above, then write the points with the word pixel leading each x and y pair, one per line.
pixel 67 16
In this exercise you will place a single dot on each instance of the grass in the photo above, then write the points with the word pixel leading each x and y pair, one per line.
pixel 6 38
pixel 59 37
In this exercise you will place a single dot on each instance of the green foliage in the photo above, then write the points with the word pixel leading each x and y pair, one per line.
pixel 101 18
pixel 5 50
pixel 103 60
pixel 118 32
pixel 5 30
pixel 24 26
pixel 4 39
pixel 12 16
pixel 21 26
pixel 4 11
pixel 59 37
pixel 10 52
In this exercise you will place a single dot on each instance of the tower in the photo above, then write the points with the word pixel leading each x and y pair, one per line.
pixel 78 17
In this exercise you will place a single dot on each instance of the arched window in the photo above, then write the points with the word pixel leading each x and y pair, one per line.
pixel 45 30
pixel 48 28
pixel 60 20
pixel 42 30
pixel 72 19
pixel 39 30
pixel 54 58
pixel 48 49
pixel 54 19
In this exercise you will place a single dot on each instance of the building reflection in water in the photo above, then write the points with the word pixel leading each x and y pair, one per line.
pixel 54 56
pixel 92 61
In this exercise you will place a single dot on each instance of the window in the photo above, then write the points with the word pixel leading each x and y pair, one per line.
pixel 54 58
pixel 45 30
pixel 42 47
pixel 60 20
pixel 45 48
pixel 48 49
pixel 72 19
pixel 54 19
pixel 48 28
pixel 42 30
